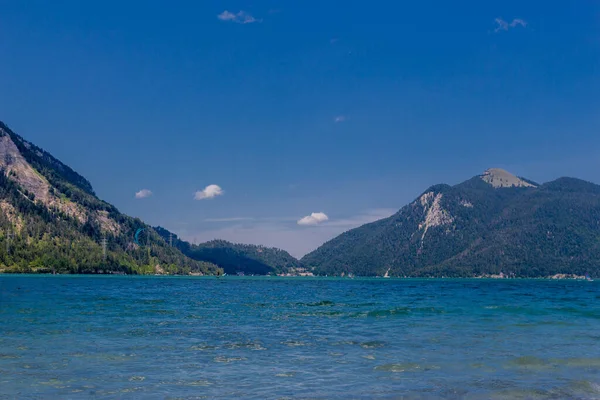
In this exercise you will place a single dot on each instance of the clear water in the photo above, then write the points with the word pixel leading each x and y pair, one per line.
pixel 269 338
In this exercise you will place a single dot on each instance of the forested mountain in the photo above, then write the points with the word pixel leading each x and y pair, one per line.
pixel 491 224
pixel 237 258
pixel 51 220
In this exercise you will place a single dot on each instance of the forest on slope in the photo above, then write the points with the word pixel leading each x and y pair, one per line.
pixel 52 221
pixel 488 225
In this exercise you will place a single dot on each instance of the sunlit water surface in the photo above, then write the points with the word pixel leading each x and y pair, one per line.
pixel 269 338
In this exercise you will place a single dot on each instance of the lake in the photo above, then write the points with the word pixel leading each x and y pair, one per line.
pixel 302 338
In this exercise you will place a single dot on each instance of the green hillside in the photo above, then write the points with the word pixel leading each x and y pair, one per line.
pixel 52 221
pixel 491 224
pixel 237 258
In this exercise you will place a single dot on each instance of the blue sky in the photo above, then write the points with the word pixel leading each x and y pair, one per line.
pixel 295 108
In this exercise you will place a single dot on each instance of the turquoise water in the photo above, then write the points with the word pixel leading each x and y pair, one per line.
pixel 269 338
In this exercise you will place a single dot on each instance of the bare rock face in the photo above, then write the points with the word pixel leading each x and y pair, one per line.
pixel 435 214
pixel 500 178
pixel 107 224
pixel 17 168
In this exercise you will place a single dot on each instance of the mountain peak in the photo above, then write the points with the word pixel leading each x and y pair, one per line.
pixel 59 224
pixel 500 178
pixel 476 229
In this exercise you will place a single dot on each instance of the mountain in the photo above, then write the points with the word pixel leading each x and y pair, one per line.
pixel 236 258
pixel 52 220
pixel 493 223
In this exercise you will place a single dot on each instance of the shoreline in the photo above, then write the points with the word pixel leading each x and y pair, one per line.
pixel 303 277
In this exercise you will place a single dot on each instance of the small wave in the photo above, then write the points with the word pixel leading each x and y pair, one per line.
pixel 160 312
pixel 543 323
pixel 581 312
pixel 578 362
pixel 115 357
pixel 294 343
pixel 585 387
pixel 397 368
pixel 534 363
pixel 187 383
pixel 229 359
pixel 57 383
pixel 387 313
pixel 345 343
pixel 57 332
pixel 104 298
pixel 131 390
pixel 323 303
pixel 257 305
pixel 153 301
pixel 203 347
pixel 27 311
pixel 322 314
pixel 198 383
pixel 518 310
pixel 138 332
pixel 399 312
pixel 372 345
pixel 530 362
pixel 285 374
pixel 246 345
pixel 524 394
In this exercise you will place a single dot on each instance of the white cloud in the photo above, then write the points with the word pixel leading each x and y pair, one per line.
pixel 504 25
pixel 518 21
pixel 281 232
pixel 242 17
pixel 142 194
pixel 313 219
pixel 296 241
pixel 339 118
pixel 208 192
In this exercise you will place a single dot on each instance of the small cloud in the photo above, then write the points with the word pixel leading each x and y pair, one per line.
pixel 334 40
pixel 339 118
pixel 518 21
pixel 142 194
pixel 242 17
pixel 209 192
pixel 313 219
pixel 504 25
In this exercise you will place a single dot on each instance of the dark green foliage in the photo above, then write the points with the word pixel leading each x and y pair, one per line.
pixel 234 258
pixel 528 232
